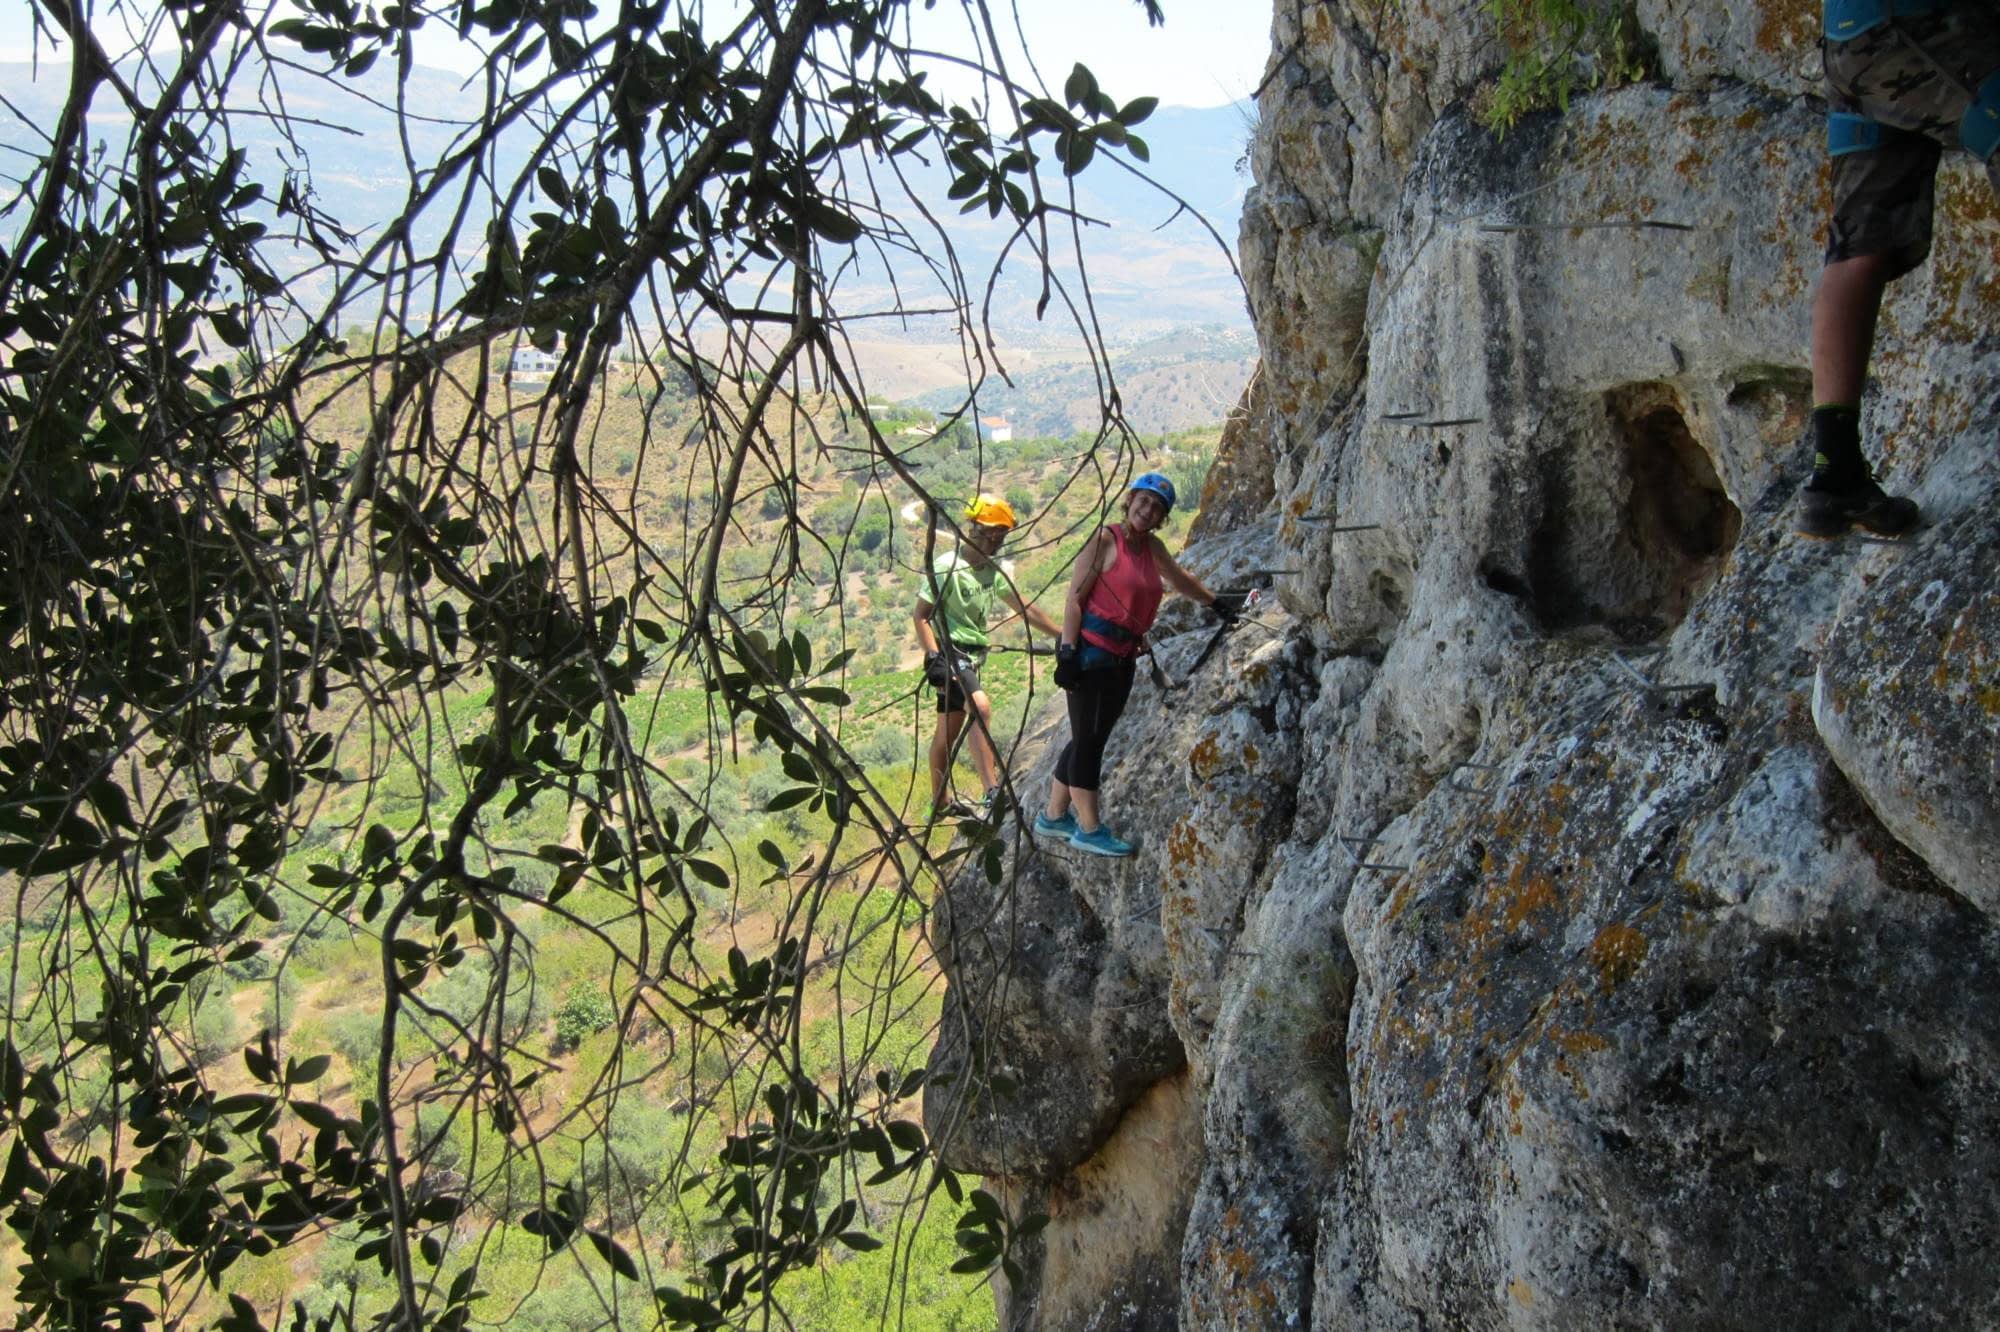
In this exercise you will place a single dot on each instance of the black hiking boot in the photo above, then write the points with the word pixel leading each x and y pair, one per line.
pixel 1829 508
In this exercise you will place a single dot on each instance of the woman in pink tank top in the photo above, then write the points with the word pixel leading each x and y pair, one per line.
pixel 1126 596
pixel 1114 593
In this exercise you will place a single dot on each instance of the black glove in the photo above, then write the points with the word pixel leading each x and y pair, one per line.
pixel 1069 670
pixel 936 669
pixel 1228 606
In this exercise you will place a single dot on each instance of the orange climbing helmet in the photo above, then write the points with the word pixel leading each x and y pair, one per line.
pixel 988 511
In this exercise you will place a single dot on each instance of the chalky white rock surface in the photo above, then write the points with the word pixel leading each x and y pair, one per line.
pixel 1575 901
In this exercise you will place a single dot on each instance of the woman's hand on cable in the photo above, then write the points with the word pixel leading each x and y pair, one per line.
pixel 1069 670
pixel 1228 606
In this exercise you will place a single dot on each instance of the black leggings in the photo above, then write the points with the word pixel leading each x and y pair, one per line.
pixel 1094 708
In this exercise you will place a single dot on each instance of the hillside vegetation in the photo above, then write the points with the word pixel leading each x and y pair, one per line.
pixel 625 1096
pixel 458 730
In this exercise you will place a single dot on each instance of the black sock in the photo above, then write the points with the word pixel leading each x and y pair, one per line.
pixel 1836 436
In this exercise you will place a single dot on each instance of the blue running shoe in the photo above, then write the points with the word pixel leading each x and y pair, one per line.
pixel 1061 829
pixel 1102 842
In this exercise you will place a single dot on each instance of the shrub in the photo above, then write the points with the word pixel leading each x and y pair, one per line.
pixel 584 1011
pixel 356 1036
pixel 644 1140
pixel 439 1140
pixel 566 1304
pixel 280 1007
pixel 212 1025
pixel 1557 48
pixel 887 745
pixel 87 1095
pixel 872 530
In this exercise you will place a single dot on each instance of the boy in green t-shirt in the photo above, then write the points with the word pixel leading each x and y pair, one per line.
pixel 960 594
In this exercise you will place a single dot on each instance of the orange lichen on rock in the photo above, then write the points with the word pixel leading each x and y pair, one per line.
pixel 1399 899
pixel 1963 284
pixel 1184 847
pixel 1248 809
pixel 1527 894
pixel 1617 952
pixel 1578 1042
pixel 1205 758
pixel 1787 25
pixel 1695 162
pixel 1572 1044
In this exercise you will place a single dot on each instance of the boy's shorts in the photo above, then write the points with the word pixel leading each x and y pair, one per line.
pixel 964 681
pixel 1913 76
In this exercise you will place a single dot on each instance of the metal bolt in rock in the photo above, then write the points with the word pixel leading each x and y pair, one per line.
pixel 1346 843
pixel 1456 785
pixel 1330 516
pixel 1653 686
pixel 1636 224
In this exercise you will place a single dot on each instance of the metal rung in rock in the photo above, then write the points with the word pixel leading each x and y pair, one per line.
pixel 1653 686
pixel 1331 517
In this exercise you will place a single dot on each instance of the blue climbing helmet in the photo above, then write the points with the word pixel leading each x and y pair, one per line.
pixel 1156 485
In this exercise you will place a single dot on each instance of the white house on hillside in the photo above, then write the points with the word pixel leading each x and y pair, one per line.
pixel 996 429
pixel 530 362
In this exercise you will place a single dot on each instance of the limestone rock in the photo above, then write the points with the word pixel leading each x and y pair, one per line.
pixel 1239 486
pixel 1108 1259
pixel 1908 700
pixel 1573 906
pixel 1773 44
pixel 1051 1030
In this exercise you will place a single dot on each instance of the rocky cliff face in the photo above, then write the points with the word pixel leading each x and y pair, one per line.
pixel 1573 905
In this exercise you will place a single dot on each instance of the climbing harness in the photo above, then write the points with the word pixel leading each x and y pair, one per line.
pixel 1848 132
pixel 1117 633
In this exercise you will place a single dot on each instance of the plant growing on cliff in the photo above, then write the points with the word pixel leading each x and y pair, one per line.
pixel 268 683
pixel 1556 48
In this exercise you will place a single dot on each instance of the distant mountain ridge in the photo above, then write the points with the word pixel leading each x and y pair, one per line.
pixel 1151 267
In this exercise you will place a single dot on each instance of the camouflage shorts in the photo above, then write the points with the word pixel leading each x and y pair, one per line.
pixel 1914 76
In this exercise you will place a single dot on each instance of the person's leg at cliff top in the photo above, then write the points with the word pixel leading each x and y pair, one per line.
pixel 1901 89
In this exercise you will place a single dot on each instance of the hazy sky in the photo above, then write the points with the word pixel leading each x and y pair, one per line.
pixel 1209 53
